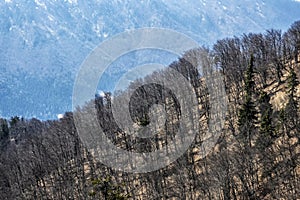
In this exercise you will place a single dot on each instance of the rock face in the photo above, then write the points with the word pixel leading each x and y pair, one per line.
pixel 42 44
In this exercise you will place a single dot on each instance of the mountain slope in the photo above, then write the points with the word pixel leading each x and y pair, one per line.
pixel 43 43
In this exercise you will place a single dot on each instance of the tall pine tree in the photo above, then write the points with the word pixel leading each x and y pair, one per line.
pixel 247 113
pixel 291 109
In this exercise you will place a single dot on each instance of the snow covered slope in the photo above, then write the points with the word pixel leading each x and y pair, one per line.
pixel 43 43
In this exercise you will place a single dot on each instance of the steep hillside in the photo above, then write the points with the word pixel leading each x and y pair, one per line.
pixel 43 43
pixel 255 152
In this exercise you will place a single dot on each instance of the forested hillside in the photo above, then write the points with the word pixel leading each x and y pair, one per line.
pixel 257 155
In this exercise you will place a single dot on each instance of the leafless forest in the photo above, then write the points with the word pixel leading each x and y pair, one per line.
pixel 256 157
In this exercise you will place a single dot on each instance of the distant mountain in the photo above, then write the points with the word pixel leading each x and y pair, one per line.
pixel 43 43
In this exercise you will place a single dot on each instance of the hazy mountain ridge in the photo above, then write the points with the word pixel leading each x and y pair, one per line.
pixel 45 42
pixel 257 155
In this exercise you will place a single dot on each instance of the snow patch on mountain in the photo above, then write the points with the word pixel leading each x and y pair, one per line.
pixel 43 43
